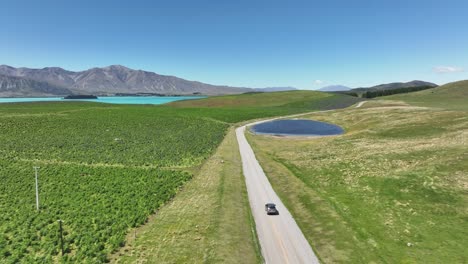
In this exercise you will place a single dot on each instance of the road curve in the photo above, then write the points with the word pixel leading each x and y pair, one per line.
pixel 280 238
pixel 360 104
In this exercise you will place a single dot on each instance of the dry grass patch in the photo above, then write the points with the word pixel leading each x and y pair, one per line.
pixel 392 189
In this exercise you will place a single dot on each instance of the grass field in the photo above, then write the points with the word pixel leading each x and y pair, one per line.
pixel 209 221
pixel 105 169
pixel 393 189
pixel 102 134
pixel 237 108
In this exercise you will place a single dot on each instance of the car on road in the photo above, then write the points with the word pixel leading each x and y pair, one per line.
pixel 270 209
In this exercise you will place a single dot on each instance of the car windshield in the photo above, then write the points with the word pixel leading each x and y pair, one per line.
pixel 271 205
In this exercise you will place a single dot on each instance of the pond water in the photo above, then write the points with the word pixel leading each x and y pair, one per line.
pixel 297 127
pixel 108 99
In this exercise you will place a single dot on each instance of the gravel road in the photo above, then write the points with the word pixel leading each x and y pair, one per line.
pixel 280 238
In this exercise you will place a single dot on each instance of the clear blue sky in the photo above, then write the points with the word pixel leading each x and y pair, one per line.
pixel 306 44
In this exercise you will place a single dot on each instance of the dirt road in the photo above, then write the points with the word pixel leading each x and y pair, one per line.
pixel 280 238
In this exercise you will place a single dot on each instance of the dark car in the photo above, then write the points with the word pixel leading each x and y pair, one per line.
pixel 270 209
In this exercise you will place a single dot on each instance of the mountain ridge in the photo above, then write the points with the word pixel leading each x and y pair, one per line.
pixel 17 86
pixel 334 88
pixel 275 89
pixel 107 80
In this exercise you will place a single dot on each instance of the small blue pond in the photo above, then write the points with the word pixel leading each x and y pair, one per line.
pixel 297 127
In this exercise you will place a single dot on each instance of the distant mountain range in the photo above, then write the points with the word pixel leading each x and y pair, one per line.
pixel 274 89
pixel 334 88
pixel 115 79
pixel 11 86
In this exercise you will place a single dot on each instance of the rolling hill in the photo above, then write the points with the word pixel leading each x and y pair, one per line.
pixel 396 85
pixel 241 107
pixel 255 100
pixel 389 89
pixel 450 96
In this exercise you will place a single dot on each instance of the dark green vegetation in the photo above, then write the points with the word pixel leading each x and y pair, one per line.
pixel 369 93
pixel 101 134
pixel 393 189
pixel 106 168
pixel 373 94
pixel 80 96
pixel 97 205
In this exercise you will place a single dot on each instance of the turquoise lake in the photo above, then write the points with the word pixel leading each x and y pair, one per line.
pixel 108 99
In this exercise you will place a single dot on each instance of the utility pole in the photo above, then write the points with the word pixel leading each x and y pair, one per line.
pixel 61 234
pixel 37 188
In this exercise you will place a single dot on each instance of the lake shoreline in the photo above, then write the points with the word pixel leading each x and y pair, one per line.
pixel 154 100
pixel 296 128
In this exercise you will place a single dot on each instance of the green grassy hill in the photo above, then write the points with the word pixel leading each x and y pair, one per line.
pixel 450 96
pixel 387 191
pixel 254 99
pixel 392 189
pixel 237 108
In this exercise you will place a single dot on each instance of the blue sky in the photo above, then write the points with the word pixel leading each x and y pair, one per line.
pixel 306 44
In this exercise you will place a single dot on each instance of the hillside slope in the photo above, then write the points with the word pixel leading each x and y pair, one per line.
pixel 389 190
pixel 254 100
pixel 242 107
pixel 396 85
pixel 11 86
pixel 450 96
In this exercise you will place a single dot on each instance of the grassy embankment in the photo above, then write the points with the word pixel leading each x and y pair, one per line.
pixel 89 154
pixel 393 189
